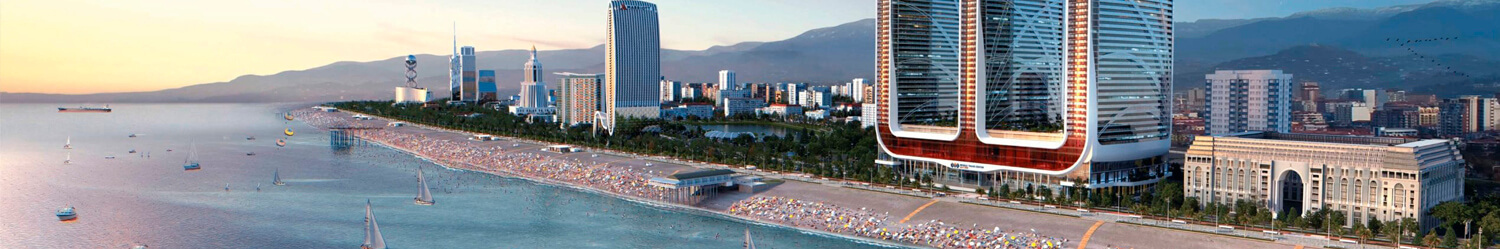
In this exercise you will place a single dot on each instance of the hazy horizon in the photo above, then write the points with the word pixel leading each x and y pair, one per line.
pixel 91 46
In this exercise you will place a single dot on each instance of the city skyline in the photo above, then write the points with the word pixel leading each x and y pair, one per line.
pixel 245 42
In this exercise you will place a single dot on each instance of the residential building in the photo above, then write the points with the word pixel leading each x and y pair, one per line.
pixel 632 62
pixel 1428 116
pixel 734 106
pixel 1396 116
pixel 1310 91
pixel 727 81
pixel 1248 100
pixel 580 98
pixel 671 91
pixel 455 71
pixel 1468 114
pixel 977 94
pixel 1383 178
pixel 857 90
pixel 779 110
pixel 868 113
pixel 689 110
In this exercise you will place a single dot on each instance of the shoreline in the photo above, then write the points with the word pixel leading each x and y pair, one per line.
pixel 636 199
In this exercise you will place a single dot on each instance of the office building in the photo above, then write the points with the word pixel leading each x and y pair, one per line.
pixel 1371 97
pixel 727 81
pixel 1310 91
pixel 533 88
pixel 1347 114
pixel 1248 100
pixel 1383 178
pixel 579 98
pixel 689 111
pixel 487 91
pixel 470 84
pixel 632 63
pixel 966 91
pixel 1396 116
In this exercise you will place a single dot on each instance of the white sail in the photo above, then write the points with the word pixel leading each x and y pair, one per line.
pixel 69 144
pixel 276 177
pixel 424 196
pixel 373 240
pixel 749 244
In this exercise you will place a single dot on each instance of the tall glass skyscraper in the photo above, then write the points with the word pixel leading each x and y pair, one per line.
pixel 1062 93
pixel 470 74
pixel 632 62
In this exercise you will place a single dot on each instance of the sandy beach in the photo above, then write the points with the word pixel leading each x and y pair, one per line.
pixel 831 209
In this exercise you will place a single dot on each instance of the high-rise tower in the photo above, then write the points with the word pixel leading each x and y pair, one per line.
pixel 455 70
pixel 727 81
pixel 632 62
pixel 982 93
pixel 470 74
pixel 533 89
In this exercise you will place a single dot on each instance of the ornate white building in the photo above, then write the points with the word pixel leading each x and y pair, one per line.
pixel 1365 177
pixel 533 88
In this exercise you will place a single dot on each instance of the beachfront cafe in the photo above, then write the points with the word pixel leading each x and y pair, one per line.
pixel 692 187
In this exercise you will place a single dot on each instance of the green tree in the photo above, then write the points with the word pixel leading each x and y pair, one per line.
pixel 1491 226
pixel 1374 225
pixel 1450 238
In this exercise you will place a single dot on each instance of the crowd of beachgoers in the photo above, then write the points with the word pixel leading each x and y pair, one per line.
pixel 867 223
pixel 626 181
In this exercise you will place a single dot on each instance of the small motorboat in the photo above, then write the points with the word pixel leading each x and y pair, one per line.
pixel 250 138
pixel 133 135
pixel 67 214
pixel 132 152
pixel 109 157
pixel 250 154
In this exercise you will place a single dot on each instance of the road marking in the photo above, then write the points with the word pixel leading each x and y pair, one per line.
pixel 1085 241
pixel 919 210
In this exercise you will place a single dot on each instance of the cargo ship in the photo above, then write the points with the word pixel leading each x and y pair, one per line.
pixel 85 109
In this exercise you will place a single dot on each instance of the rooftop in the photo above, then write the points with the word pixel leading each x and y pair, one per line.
pixel 701 173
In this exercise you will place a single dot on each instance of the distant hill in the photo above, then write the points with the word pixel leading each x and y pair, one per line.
pixel 824 56
pixel 1475 22
pixel 1341 47
pixel 1336 68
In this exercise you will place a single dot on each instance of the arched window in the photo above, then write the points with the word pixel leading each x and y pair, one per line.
pixel 1400 196
pixel 1357 186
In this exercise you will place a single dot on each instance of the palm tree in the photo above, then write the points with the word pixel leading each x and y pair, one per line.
pixel 1431 240
pixel 1363 232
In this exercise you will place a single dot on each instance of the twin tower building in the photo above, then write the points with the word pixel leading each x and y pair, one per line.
pixel 629 87
pixel 1046 93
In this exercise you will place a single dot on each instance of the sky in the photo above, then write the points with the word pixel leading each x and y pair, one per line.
pixel 94 46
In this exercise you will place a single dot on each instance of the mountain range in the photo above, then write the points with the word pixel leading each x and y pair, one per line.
pixel 1340 47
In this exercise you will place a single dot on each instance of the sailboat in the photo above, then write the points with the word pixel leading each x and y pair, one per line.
pixel 276 178
pixel 191 162
pixel 69 144
pixel 424 196
pixel 69 159
pixel 288 132
pixel 748 243
pixel 226 187
pixel 257 187
pixel 373 240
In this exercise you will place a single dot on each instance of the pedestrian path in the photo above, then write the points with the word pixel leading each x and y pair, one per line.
pixel 1085 241
pixel 919 210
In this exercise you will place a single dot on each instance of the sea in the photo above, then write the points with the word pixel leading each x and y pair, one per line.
pixel 146 198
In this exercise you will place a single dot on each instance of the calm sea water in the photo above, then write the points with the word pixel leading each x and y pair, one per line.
pixel 133 199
